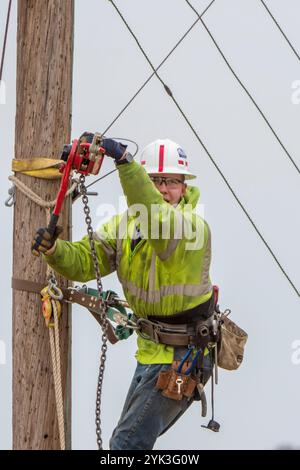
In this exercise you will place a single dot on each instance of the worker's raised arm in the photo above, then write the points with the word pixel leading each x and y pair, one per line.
pixel 159 221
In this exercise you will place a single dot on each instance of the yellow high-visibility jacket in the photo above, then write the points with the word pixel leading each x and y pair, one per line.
pixel 168 270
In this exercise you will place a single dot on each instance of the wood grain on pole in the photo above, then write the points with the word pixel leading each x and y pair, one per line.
pixel 43 125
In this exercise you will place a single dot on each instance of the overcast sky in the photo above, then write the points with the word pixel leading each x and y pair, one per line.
pixel 258 405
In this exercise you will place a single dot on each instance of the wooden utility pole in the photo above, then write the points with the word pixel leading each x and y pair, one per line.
pixel 43 124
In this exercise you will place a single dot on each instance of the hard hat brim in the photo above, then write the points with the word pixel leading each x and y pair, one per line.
pixel 187 175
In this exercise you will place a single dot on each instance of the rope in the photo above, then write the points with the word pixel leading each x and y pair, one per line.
pixel 55 357
pixel 167 89
pixel 245 89
pixel 5 38
pixel 283 34
pixel 56 367
pixel 34 197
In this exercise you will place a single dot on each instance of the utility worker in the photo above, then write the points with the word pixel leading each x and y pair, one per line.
pixel 162 258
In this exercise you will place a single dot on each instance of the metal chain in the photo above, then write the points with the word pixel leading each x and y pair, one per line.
pixel 103 309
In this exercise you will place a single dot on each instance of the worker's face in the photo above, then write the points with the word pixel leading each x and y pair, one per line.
pixel 171 186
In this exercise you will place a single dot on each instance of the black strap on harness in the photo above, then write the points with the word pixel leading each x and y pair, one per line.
pixel 200 312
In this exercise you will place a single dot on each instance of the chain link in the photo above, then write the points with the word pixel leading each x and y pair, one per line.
pixel 103 309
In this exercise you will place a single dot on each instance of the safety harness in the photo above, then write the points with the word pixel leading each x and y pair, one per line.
pixel 195 333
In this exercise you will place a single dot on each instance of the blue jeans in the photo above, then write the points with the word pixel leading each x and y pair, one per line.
pixel 146 413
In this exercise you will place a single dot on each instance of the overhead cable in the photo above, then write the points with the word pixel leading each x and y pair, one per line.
pixel 280 29
pixel 5 38
pixel 169 92
pixel 246 90
pixel 145 83
pixel 158 67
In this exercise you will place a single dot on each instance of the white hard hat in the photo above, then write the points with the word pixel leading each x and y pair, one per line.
pixel 165 156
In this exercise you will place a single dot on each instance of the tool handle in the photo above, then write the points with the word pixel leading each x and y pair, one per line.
pixel 52 224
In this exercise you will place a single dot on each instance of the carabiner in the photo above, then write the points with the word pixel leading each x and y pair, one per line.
pixel 54 291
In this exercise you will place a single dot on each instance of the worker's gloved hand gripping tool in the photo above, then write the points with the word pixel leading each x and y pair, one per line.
pixel 84 156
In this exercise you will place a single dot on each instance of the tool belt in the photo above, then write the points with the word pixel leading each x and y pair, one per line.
pixel 202 326
pixel 198 333
pixel 196 327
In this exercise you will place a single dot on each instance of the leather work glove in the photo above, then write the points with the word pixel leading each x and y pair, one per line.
pixel 112 148
pixel 43 240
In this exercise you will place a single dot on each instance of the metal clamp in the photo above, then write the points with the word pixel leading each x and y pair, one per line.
pixel 124 321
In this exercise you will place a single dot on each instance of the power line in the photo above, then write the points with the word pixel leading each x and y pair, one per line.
pixel 157 68
pixel 168 90
pixel 245 89
pixel 282 32
pixel 5 38
pixel 145 83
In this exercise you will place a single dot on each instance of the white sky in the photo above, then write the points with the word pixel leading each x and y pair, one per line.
pixel 258 405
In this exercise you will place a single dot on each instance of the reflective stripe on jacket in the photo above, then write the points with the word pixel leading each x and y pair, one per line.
pixel 167 271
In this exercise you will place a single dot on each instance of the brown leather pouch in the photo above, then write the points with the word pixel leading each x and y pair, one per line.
pixel 175 385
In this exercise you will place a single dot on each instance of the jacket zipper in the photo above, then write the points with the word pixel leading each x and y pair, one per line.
pixel 132 253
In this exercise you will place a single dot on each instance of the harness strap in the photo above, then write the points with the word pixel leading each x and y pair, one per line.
pixel 200 312
pixel 92 303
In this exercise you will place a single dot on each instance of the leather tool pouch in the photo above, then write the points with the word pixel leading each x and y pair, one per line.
pixel 175 385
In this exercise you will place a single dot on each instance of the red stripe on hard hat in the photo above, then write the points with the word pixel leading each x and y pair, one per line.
pixel 161 158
